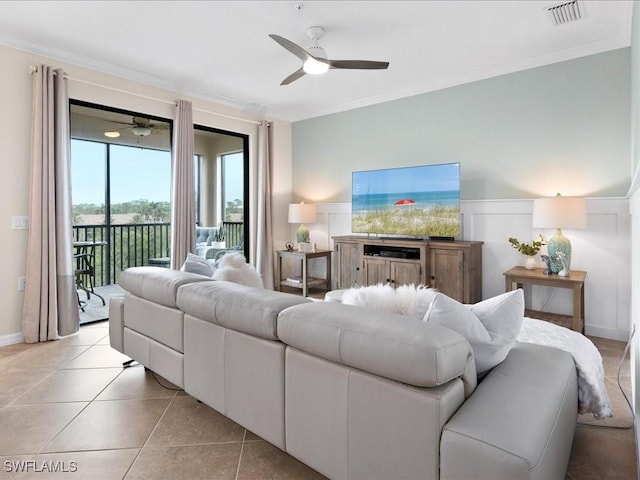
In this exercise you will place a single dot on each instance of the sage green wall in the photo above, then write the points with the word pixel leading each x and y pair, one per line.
pixel 559 128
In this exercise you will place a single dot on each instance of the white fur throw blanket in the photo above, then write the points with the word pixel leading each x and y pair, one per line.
pixel 234 268
pixel 407 300
pixel 592 393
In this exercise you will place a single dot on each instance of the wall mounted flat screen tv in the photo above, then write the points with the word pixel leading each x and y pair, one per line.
pixel 420 202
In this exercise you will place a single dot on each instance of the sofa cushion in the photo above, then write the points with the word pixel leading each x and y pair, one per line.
pixel 196 264
pixel 156 284
pixel 238 307
pixel 491 326
pixel 164 324
pixel 400 348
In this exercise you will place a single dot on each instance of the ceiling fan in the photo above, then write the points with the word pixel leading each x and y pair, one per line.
pixel 141 127
pixel 315 61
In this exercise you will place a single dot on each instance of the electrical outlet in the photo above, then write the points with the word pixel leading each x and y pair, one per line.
pixel 22 283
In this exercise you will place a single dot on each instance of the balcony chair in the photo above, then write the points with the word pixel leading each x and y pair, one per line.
pixel 164 262
pixel 207 235
pixel 84 273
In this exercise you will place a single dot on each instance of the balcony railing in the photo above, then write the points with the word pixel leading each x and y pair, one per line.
pixel 132 245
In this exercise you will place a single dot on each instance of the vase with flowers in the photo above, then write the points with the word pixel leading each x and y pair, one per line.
pixel 529 250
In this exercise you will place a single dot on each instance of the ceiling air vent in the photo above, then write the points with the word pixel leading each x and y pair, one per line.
pixel 566 12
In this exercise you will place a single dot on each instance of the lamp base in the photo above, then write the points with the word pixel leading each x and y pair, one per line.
pixel 302 234
pixel 558 243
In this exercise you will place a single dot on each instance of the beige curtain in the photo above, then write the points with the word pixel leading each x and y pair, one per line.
pixel 264 263
pixel 183 210
pixel 50 303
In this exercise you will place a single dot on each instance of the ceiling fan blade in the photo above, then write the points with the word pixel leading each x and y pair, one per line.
pixel 143 122
pixel 298 51
pixel 293 77
pixel 120 123
pixel 359 64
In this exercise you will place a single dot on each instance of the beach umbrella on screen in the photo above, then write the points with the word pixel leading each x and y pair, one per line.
pixel 405 201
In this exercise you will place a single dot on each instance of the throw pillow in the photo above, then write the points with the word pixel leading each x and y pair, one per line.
pixel 233 268
pixel 407 300
pixel 196 264
pixel 502 315
pixel 490 326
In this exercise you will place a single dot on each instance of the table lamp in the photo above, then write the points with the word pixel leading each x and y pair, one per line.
pixel 559 212
pixel 302 213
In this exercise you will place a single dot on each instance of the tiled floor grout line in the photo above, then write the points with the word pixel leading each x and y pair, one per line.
pixel 75 416
pixel 107 385
pixel 244 436
pixel 40 451
pixel 164 412
pixel 58 368
pixel 11 403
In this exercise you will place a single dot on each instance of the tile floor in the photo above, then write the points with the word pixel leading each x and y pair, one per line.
pixel 69 405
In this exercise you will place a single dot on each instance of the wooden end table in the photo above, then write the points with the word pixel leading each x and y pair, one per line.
pixel 304 281
pixel 516 277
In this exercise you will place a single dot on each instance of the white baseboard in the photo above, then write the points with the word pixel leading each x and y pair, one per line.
pixel 605 332
pixel 11 339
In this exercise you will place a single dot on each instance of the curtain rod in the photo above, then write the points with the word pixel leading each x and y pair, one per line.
pixel 255 122
pixel 34 68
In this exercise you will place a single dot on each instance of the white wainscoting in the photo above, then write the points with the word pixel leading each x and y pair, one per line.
pixel 603 250
pixel 634 207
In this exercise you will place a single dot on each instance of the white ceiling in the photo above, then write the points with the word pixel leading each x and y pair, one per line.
pixel 220 51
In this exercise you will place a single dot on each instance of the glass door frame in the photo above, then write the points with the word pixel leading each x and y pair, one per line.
pixel 107 180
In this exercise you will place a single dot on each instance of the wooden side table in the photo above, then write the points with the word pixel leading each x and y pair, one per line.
pixel 517 276
pixel 304 281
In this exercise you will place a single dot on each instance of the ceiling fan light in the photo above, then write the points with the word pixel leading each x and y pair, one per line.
pixel 314 67
pixel 141 131
pixel 112 134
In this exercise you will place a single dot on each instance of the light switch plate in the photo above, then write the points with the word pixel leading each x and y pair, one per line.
pixel 19 222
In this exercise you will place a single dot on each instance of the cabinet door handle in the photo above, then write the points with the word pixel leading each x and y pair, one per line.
pixel 433 277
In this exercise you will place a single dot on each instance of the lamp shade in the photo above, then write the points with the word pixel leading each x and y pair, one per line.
pixel 560 212
pixel 302 213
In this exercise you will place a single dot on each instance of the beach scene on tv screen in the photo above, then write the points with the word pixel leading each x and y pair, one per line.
pixel 419 201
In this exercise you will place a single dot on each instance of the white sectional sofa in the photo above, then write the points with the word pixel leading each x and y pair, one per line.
pixel 351 392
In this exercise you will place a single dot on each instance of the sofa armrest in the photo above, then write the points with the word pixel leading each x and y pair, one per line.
pixel 519 422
